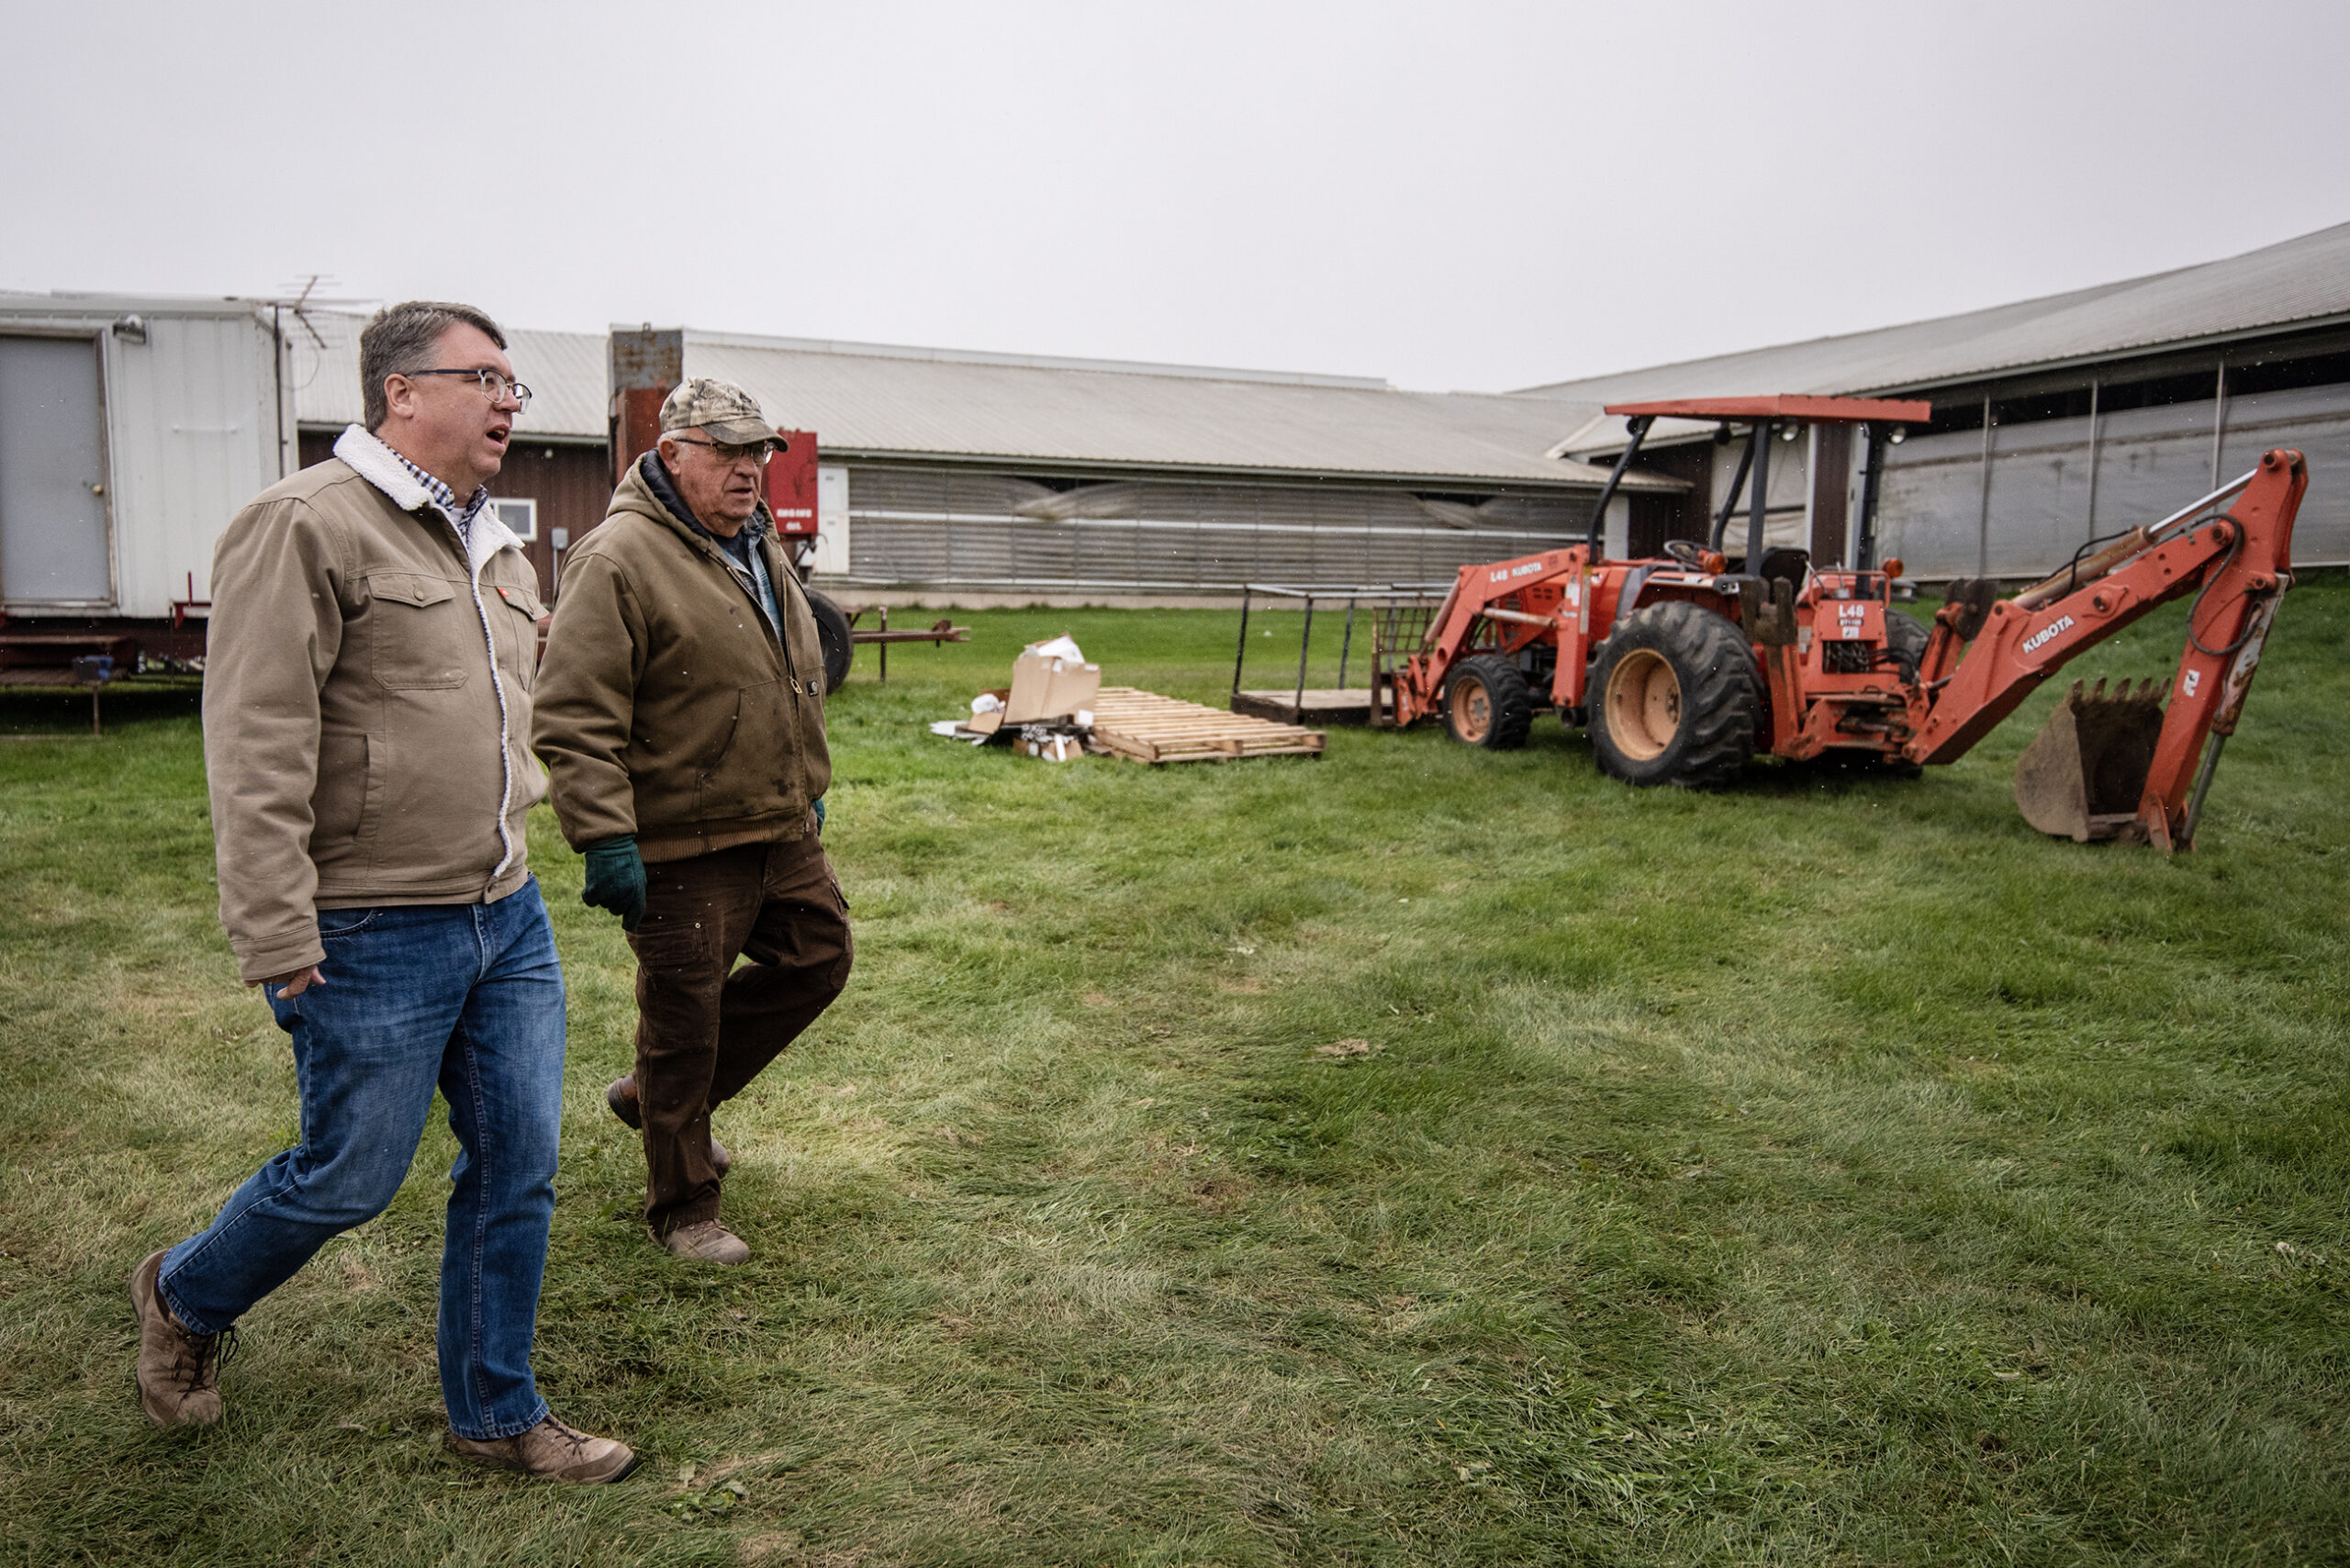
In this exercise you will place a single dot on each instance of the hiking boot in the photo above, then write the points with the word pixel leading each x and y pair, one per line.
pixel 554 1450
pixel 620 1095
pixel 704 1241
pixel 179 1373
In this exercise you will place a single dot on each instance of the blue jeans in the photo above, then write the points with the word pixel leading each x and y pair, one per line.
pixel 465 997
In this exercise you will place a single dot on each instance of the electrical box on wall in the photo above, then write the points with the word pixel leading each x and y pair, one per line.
pixel 791 484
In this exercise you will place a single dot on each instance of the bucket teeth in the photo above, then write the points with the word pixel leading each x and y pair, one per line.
pixel 2081 778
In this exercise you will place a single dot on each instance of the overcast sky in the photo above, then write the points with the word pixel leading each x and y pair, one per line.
pixel 1467 196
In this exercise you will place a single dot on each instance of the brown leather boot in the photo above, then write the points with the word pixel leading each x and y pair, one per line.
pixel 179 1373
pixel 552 1450
pixel 704 1241
pixel 620 1095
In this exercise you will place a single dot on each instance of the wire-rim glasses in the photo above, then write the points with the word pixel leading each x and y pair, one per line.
pixel 728 453
pixel 493 382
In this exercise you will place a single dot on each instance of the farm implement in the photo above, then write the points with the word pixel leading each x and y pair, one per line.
pixel 1682 670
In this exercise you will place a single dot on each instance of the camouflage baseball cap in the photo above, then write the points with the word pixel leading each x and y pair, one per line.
pixel 719 409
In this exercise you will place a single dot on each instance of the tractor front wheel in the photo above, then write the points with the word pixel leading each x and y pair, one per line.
pixel 1676 698
pixel 1486 702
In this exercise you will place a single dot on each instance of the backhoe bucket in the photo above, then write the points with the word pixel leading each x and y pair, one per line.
pixel 2081 779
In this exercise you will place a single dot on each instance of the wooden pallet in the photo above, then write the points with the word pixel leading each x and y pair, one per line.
pixel 1143 726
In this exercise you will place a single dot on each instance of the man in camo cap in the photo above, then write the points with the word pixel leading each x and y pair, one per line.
pixel 681 716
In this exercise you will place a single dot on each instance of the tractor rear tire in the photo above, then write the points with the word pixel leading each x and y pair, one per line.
pixel 1905 637
pixel 1486 702
pixel 833 638
pixel 1676 698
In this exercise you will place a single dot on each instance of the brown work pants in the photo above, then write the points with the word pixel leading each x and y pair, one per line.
pixel 704 1027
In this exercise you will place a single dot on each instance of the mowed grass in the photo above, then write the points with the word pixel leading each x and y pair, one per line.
pixel 1831 1170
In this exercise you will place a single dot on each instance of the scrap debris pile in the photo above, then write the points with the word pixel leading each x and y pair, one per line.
pixel 1046 712
pixel 1057 709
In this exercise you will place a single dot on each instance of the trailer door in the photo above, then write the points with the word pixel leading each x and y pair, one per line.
pixel 52 475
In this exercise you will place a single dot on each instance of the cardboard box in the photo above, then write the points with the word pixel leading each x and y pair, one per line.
pixel 1045 686
pixel 989 723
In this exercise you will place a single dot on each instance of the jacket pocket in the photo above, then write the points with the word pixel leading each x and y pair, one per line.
pixel 518 633
pixel 417 631
pixel 347 807
pixel 338 805
pixel 747 777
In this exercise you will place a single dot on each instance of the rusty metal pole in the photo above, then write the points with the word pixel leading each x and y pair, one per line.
pixel 885 646
pixel 646 366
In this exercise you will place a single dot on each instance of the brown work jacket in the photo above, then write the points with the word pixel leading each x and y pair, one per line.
pixel 366 705
pixel 667 707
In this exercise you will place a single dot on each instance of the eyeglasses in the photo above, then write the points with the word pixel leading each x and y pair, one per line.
pixel 493 384
pixel 757 452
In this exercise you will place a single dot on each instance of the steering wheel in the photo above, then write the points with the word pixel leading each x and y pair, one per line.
pixel 1687 554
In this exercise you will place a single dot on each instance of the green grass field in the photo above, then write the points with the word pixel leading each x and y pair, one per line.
pixel 1831 1170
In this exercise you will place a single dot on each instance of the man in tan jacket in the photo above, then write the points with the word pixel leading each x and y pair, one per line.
pixel 366 706
pixel 681 715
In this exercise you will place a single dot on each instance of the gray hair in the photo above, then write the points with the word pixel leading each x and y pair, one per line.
pixel 400 341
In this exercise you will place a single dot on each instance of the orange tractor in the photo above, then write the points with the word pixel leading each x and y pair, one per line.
pixel 1682 670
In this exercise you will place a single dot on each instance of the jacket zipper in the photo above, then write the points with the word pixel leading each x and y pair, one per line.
pixel 505 722
pixel 758 611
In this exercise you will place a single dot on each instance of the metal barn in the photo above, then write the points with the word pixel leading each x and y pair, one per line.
pixel 983 476
pixel 2057 420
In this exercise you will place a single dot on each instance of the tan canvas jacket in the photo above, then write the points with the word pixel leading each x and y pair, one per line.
pixel 667 707
pixel 366 705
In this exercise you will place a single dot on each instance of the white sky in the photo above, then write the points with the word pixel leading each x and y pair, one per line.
pixel 1472 196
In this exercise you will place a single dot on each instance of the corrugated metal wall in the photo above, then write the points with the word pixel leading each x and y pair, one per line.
pixel 917 526
pixel 2315 421
pixel 1930 505
pixel 1949 510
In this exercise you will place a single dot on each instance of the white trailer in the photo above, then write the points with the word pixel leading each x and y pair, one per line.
pixel 132 430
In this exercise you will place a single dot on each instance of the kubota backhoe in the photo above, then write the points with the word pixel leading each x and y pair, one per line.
pixel 1682 670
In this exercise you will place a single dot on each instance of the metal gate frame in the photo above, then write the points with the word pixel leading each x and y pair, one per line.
pixel 1388 601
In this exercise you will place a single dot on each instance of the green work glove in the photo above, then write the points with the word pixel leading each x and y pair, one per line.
pixel 616 880
pixel 819 816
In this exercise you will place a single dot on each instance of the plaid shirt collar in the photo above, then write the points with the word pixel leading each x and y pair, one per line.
pixel 445 498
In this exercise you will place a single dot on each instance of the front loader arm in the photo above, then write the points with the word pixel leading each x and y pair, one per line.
pixel 1475 593
pixel 2237 565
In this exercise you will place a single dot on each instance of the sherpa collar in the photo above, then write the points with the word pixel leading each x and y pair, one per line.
pixel 376 463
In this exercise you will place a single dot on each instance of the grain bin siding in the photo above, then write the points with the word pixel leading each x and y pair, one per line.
pixel 194 415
